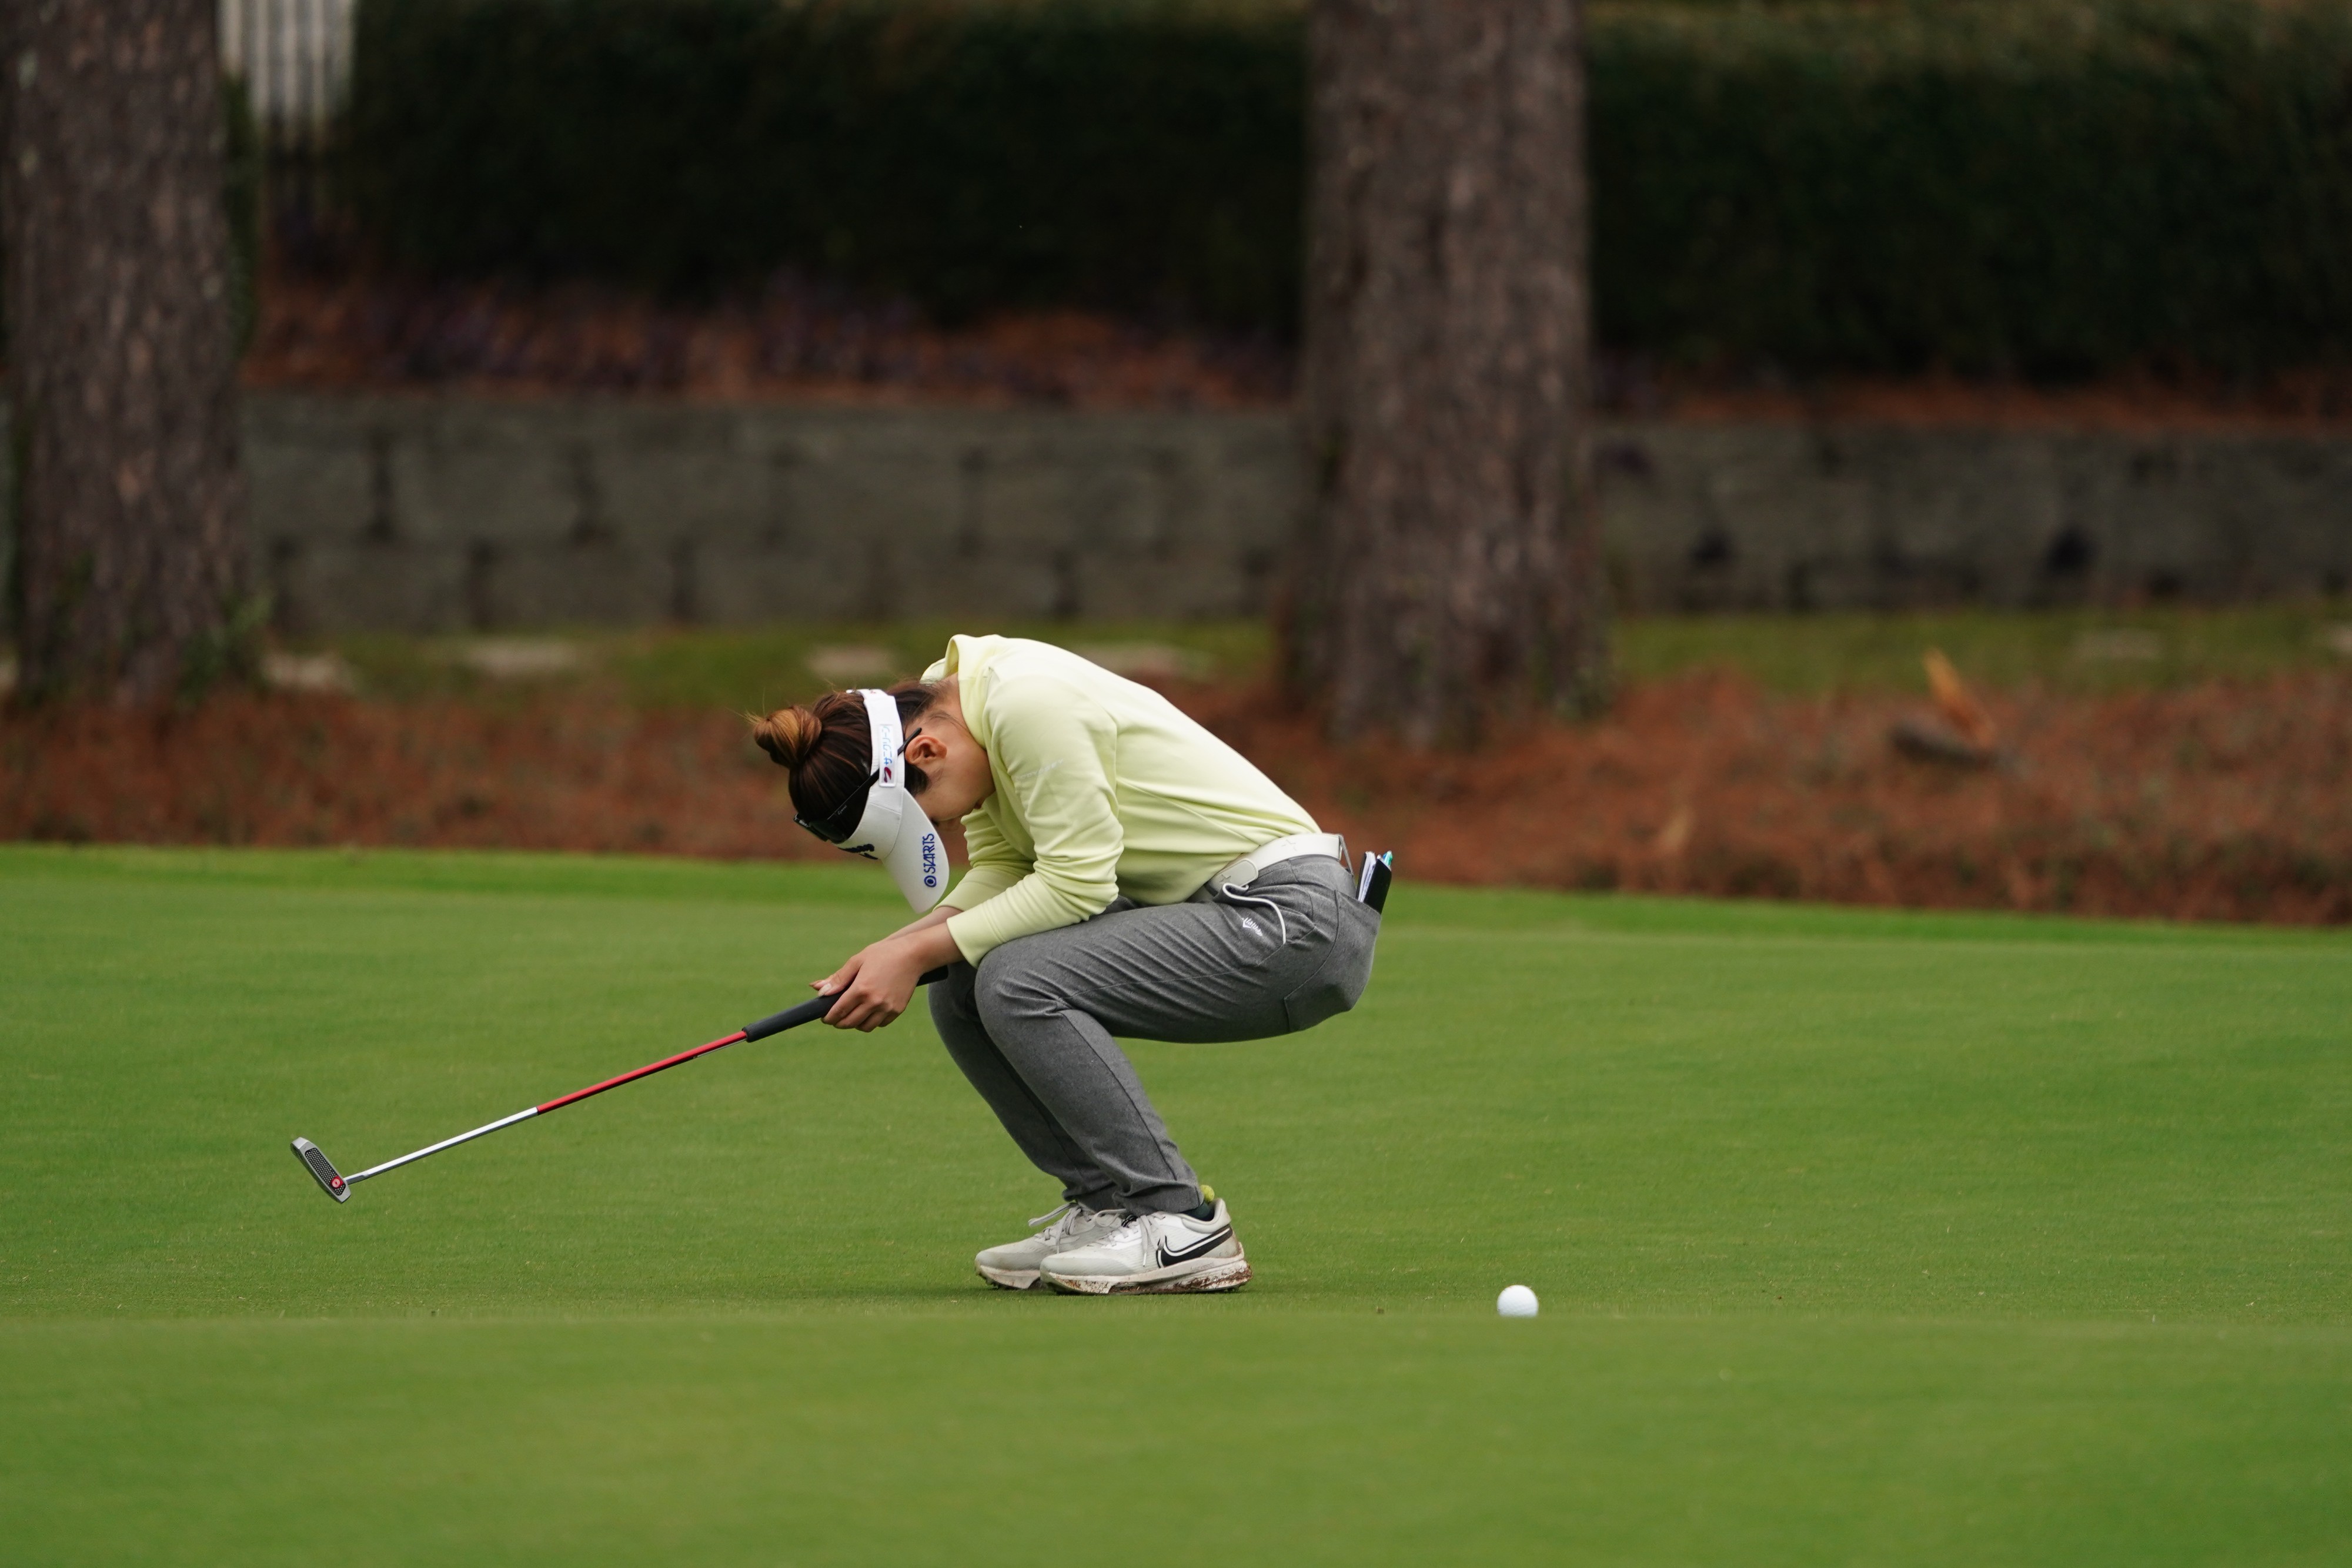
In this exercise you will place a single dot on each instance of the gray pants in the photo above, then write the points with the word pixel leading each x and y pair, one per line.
pixel 1031 1025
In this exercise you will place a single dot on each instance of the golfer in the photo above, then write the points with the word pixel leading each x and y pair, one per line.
pixel 1131 874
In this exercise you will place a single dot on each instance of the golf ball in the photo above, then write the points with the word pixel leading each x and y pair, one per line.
pixel 1515 1301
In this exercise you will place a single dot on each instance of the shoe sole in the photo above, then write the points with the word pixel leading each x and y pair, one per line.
pixel 1009 1279
pixel 1221 1274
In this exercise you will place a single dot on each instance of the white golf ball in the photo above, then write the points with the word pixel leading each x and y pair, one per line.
pixel 1515 1301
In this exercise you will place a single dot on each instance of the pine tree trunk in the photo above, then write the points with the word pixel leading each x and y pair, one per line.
pixel 130 560
pixel 1451 574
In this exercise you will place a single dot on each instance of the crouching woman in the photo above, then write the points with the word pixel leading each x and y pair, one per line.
pixel 1130 874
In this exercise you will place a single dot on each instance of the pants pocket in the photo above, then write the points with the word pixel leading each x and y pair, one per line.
pixel 1338 982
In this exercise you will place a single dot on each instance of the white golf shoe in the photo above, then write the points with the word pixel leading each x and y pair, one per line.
pixel 1014 1266
pixel 1153 1253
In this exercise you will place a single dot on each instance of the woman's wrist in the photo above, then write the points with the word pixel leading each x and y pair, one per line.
pixel 939 916
pixel 928 947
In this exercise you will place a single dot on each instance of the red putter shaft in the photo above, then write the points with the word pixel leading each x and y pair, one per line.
pixel 577 1094
pixel 647 1071
pixel 774 1023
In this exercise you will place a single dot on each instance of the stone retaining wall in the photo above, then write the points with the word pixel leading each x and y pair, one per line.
pixel 432 515
pixel 438 514
pixel 1860 517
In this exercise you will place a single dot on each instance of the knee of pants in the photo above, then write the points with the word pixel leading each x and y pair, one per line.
pixel 1004 991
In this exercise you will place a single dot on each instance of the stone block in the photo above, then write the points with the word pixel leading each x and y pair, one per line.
pixel 1024 585
pixel 869 479
pixel 588 582
pixel 310 482
pixel 2160 517
pixel 1959 516
pixel 455 485
pixel 1252 498
pixel 1721 516
pixel 681 479
pixel 732 583
pixel 1180 585
pixel 344 585
pixel 1026 501
pixel 2280 514
pixel 738 584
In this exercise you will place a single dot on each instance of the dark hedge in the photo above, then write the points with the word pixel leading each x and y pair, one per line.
pixel 2043 188
pixel 1127 153
pixel 2007 185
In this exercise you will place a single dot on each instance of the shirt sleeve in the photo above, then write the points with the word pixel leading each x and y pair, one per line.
pixel 993 865
pixel 1055 750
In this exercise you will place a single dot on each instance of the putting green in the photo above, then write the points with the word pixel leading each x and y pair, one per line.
pixel 1860 1238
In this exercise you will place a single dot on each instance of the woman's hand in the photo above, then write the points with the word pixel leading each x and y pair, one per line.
pixel 878 981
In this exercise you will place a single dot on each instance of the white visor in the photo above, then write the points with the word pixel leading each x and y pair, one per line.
pixel 893 829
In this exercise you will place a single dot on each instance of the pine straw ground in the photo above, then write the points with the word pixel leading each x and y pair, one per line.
pixel 2222 801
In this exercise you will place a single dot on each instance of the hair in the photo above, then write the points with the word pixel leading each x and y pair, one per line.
pixel 829 746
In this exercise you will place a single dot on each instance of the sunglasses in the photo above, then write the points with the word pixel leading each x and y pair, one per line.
pixel 835 826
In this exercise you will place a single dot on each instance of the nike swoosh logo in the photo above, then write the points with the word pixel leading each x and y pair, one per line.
pixel 1187 1254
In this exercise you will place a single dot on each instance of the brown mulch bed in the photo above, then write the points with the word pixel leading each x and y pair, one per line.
pixel 570 773
pixel 796 338
pixel 2219 802
pixel 2224 802
pixel 800 338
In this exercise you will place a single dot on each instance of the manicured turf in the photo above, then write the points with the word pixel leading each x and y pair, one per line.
pixel 1861 1238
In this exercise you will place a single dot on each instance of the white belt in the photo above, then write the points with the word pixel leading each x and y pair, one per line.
pixel 1243 872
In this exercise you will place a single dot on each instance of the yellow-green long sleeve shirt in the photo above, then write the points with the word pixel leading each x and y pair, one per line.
pixel 1103 788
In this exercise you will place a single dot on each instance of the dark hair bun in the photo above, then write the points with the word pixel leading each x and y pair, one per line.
pixel 789 735
pixel 829 746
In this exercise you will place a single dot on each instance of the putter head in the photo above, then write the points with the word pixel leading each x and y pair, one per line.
pixel 314 1160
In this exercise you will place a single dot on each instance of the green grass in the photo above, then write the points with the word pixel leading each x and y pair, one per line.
pixel 2070 651
pixel 2084 651
pixel 757 668
pixel 1861 1238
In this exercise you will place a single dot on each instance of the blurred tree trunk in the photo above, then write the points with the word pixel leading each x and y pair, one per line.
pixel 1451 574
pixel 129 571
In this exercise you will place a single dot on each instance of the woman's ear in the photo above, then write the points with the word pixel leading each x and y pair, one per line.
pixel 925 750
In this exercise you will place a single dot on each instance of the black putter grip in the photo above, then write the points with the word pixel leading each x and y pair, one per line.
pixel 812 1010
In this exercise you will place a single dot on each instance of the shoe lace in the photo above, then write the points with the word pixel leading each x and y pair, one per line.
pixel 1064 1221
pixel 1128 1231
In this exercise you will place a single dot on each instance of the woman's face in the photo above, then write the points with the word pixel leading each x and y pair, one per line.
pixel 952 762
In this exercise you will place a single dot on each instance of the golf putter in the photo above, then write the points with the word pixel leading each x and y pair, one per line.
pixel 336 1185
